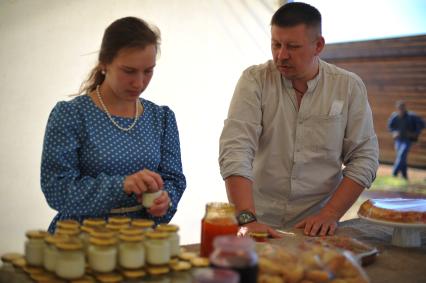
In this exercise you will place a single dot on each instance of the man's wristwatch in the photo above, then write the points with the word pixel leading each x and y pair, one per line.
pixel 245 217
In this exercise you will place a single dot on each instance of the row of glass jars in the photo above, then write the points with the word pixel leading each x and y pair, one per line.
pixel 104 246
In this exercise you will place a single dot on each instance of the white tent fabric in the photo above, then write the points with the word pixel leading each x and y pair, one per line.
pixel 48 48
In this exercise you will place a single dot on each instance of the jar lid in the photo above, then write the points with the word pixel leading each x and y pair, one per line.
pixel 68 224
pixel 88 229
pixel 109 278
pixel 52 239
pixel 42 277
pixel 36 234
pixel 187 255
pixel 169 228
pixel 9 257
pixel 71 244
pixel 119 220
pixel 84 279
pixel 131 238
pixel 158 270
pixel 94 222
pixel 143 223
pixel 33 270
pixel 133 274
pixel 102 241
pixel 257 235
pixel 131 231
pixel 156 235
pixel 200 261
pixel 19 262
pixel 116 227
pixel 70 232
pixel 102 232
pixel 221 206
pixel 181 266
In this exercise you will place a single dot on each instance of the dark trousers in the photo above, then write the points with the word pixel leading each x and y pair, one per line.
pixel 401 147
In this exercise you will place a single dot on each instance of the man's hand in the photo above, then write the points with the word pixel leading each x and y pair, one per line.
pixel 321 224
pixel 258 227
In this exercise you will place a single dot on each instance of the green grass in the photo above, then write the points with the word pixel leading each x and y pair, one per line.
pixel 389 183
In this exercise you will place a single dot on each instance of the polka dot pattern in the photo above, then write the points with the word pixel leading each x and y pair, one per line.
pixel 86 158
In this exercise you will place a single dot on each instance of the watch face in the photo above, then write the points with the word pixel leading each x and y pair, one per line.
pixel 246 217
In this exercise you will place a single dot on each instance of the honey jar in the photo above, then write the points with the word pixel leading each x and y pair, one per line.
pixel 131 251
pixel 157 248
pixel 219 219
pixel 34 247
pixel 171 230
pixel 50 252
pixel 102 254
pixel 70 261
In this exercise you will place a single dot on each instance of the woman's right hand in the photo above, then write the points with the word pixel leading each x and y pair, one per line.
pixel 143 181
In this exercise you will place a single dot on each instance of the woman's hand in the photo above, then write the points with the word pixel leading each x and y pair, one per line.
pixel 143 181
pixel 161 205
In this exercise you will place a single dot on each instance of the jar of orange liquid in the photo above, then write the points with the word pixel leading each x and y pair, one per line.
pixel 218 220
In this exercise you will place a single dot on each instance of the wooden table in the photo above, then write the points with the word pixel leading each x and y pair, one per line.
pixel 393 264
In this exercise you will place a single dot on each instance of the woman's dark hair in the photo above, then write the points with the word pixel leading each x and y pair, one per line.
pixel 128 32
pixel 295 13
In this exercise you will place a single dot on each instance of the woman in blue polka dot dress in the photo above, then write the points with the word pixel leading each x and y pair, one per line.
pixel 103 149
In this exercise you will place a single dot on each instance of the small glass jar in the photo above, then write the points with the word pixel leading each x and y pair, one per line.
pixel 70 263
pixel 157 247
pixel 238 254
pixel 144 224
pixel 50 252
pixel 131 251
pixel 119 220
pixel 172 231
pixel 68 224
pixel 102 254
pixel 133 275
pixel 34 247
pixel 216 275
pixel 7 260
pixel 219 219
pixel 84 236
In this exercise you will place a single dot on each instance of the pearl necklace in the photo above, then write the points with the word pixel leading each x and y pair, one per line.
pixel 98 92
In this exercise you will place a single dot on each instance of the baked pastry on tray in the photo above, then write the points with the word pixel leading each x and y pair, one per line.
pixel 395 210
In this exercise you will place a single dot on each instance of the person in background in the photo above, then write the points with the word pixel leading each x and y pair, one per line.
pixel 405 127
pixel 292 123
pixel 106 147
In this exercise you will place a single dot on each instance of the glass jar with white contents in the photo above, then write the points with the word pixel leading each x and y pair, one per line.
pixel 7 260
pixel 102 254
pixel 50 252
pixel 34 247
pixel 157 247
pixel 172 231
pixel 70 261
pixel 131 251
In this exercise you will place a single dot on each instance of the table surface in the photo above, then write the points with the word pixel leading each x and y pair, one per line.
pixel 393 264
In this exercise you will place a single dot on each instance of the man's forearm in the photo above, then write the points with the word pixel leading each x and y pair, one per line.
pixel 240 193
pixel 344 197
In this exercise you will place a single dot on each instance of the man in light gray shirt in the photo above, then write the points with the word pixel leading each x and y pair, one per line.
pixel 298 146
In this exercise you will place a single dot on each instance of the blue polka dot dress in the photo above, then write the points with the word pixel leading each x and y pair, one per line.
pixel 86 158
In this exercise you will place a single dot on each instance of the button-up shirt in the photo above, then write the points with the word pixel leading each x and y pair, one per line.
pixel 296 158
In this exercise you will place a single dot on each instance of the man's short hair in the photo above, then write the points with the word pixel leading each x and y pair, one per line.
pixel 295 13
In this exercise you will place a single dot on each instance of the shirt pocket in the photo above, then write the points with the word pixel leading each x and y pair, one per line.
pixel 324 134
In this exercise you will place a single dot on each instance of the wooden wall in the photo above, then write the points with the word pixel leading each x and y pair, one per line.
pixel 392 69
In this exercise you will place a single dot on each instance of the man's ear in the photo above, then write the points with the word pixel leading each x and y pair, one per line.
pixel 319 45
